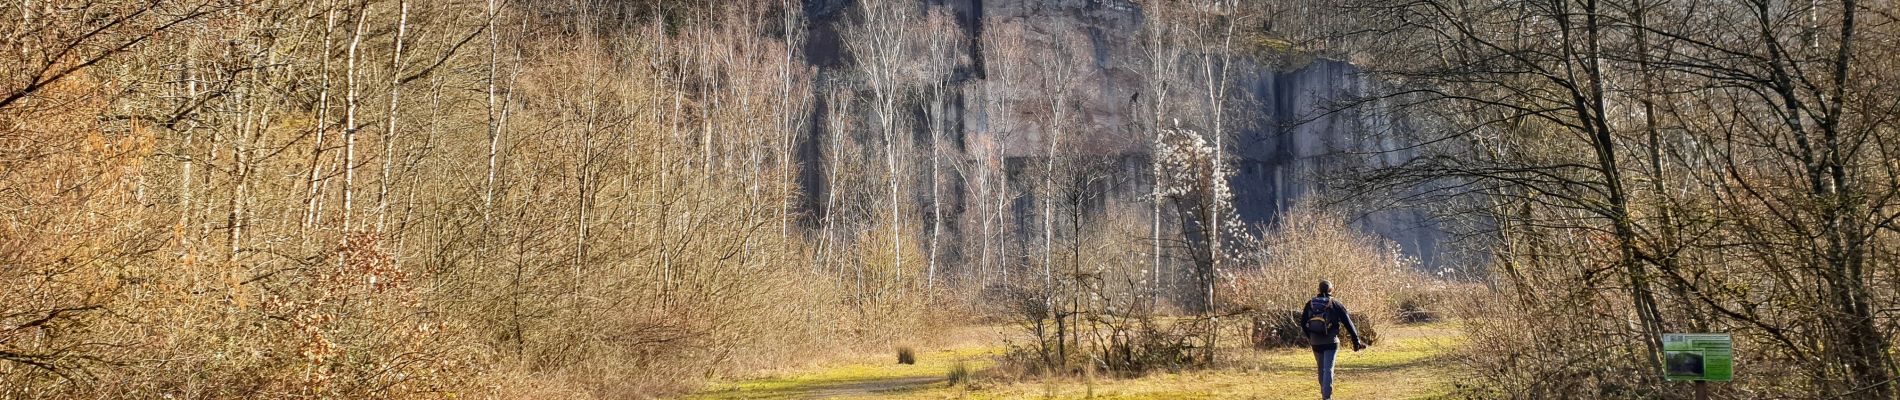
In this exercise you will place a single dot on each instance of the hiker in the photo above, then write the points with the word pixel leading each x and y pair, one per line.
pixel 1323 317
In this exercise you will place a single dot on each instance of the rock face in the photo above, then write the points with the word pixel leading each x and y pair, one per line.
pixel 1298 136
pixel 1277 149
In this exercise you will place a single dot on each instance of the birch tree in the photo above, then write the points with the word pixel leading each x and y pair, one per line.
pixel 880 48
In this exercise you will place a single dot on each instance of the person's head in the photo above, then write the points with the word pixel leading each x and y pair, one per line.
pixel 1325 287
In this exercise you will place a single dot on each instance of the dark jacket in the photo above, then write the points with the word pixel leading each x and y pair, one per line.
pixel 1339 316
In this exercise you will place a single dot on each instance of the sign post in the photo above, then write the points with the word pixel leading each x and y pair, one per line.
pixel 1698 357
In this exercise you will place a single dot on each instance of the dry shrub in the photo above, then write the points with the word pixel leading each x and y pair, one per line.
pixel 885 287
pixel 1554 334
pixel 70 236
pixel 1276 328
pixel 1308 245
pixel 1516 351
pixel 108 296
pixel 1124 345
pixel 1421 307
pixel 1142 345
pixel 1099 311
pixel 359 329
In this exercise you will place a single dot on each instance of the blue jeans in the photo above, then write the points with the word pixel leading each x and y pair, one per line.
pixel 1325 358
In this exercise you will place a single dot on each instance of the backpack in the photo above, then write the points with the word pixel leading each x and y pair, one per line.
pixel 1319 316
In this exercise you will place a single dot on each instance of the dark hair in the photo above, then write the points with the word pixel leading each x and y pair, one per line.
pixel 1325 287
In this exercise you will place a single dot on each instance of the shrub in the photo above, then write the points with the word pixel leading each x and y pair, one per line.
pixel 1306 246
pixel 1276 329
pixel 1144 344
pixel 1417 310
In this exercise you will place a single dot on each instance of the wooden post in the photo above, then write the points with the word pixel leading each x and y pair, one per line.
pixel 1701 390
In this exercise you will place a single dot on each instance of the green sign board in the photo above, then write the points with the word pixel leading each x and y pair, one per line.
pixel 1698 357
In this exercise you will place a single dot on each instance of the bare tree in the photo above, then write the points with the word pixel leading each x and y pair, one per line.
pixel 1748 111
pixel 942 46
pixel 389 128
pixel 881 51
pixel 1160 64
pixel 1005 53
pixel 349 117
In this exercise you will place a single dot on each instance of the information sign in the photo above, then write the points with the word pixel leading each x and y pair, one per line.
pixel 1698 357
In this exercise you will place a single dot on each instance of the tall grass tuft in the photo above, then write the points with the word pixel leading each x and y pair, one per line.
pixel 959 373
pixel 906 356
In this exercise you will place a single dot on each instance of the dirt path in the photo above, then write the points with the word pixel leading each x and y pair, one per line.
pixel 1410 363
pixel 876 386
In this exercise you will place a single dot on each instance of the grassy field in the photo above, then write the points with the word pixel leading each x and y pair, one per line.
pixel 1407 364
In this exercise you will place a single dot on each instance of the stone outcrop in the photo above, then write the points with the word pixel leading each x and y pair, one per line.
pixel 1277 149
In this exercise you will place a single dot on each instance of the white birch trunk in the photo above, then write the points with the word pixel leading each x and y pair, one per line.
pixel 349 121
pixel 389 134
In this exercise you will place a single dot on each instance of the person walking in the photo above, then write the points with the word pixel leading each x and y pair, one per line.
pixel 1323 317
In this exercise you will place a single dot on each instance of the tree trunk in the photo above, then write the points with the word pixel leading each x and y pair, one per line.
pixel 389 133
pixel 312 201
pixel 349 121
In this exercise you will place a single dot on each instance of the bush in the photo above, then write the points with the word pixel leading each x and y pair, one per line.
pixel 1277 329
pixel 1306 246
pixel 1415 311
pixel 1142 345
pixel 1499 336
